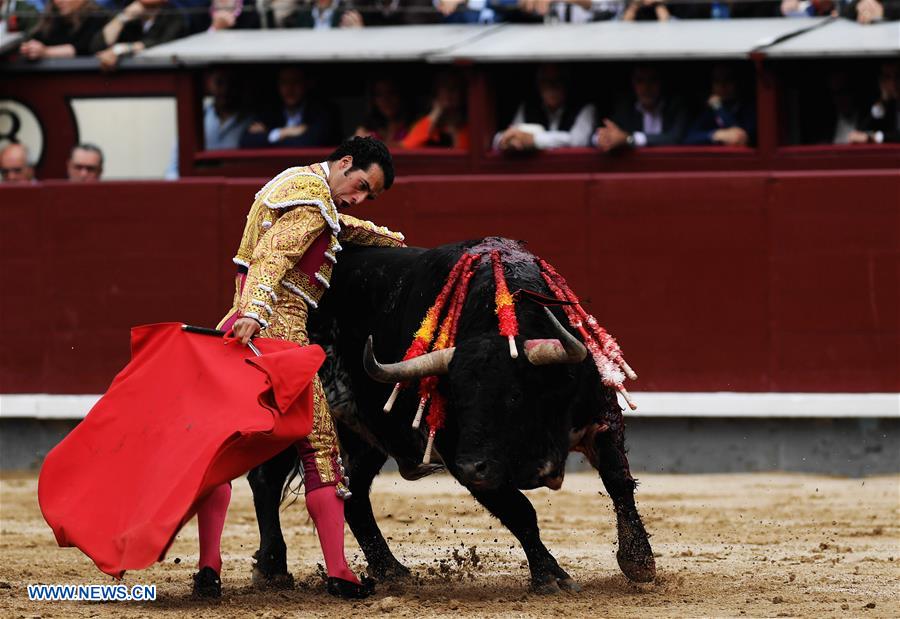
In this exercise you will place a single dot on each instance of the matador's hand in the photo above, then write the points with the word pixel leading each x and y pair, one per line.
pixel 244 329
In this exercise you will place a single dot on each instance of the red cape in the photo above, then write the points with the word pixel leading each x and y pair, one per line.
pixel 185 415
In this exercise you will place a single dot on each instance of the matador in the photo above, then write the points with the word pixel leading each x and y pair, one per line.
pixel 290 245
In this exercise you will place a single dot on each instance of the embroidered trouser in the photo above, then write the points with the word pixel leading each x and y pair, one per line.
pixel 319 452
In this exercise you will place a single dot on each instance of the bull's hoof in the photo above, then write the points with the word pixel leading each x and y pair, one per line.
pixel 637 569
pixel 553 585
pixel 394 572
pixel 569 585
pixel 265 582
pixel 635 556
pixel 546 587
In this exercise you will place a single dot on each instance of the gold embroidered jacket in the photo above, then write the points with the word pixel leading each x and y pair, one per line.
pixel 290 246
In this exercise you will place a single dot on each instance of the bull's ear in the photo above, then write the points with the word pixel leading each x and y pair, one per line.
pixel 435 363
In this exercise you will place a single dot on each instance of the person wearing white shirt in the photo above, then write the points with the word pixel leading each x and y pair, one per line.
pixel 551 120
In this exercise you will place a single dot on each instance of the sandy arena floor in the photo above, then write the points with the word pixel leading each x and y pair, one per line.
pixel 756 545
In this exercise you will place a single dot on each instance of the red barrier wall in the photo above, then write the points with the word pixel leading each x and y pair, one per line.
pixel 723 281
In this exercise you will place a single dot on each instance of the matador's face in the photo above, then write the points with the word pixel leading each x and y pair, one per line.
pixel 349 187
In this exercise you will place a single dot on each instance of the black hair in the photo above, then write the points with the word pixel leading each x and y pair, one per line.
pixel 92 148
pixel 366 151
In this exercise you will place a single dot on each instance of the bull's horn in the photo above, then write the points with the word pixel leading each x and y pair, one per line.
pixel 566 349
pixel 430 364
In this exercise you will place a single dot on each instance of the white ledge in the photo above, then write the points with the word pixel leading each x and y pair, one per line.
pixel 650 405
pixel 756 405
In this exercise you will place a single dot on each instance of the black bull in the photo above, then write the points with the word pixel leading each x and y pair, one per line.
pixel 510 424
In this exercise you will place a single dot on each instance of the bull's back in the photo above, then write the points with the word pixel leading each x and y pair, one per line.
pixel 385 292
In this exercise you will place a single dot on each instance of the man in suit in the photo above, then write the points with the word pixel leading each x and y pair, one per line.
pixel 728 119
pixel 646 119
pixel 301 120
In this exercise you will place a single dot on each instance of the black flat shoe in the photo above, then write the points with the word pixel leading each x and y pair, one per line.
pixel 207 584
pixel 341 588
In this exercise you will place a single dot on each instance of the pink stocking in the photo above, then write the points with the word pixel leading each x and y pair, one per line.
pixel 327 512
pixel 210 522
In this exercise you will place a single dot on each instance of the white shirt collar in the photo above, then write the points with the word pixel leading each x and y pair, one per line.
pixel 324 165
pixel 554 118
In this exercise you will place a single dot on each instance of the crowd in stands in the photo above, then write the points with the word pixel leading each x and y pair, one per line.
pixel 113 29
pixel 548 115
pixel 654 113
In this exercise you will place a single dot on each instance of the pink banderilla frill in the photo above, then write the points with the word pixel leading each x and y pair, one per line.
pixel 606 353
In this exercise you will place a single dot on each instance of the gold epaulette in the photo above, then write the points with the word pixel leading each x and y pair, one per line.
pixel 363 232
pixel 299 185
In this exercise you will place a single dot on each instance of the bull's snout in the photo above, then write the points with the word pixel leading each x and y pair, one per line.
pixel 478 473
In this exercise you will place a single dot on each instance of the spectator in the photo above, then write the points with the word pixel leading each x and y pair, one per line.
pixel 549 120
pixel 223 120
pixel 387 118
pixel 646 119
pixel 14 164
pixel 568 11
pixel 281 10
pixel 66 30
pixel 85 163
pixel 224 123
pixel 646 10
pixel 834 118
pixel 807 8
pixel 196 13
pixel 446 125
pixel 883 122
pixel 230 15
pixel 728 9
pixel 515 11
pixel 397 12
pixel 299 121
pixel 872 11
pixel 324 15
pixel 527 11
pixel 726 119
pixel 469 11
pixel 605 10
pixel 141 24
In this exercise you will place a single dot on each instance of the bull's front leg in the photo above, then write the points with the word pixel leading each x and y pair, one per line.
pixel 267 481
pixel 515 511
pixel 605 449
pixel 364 464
